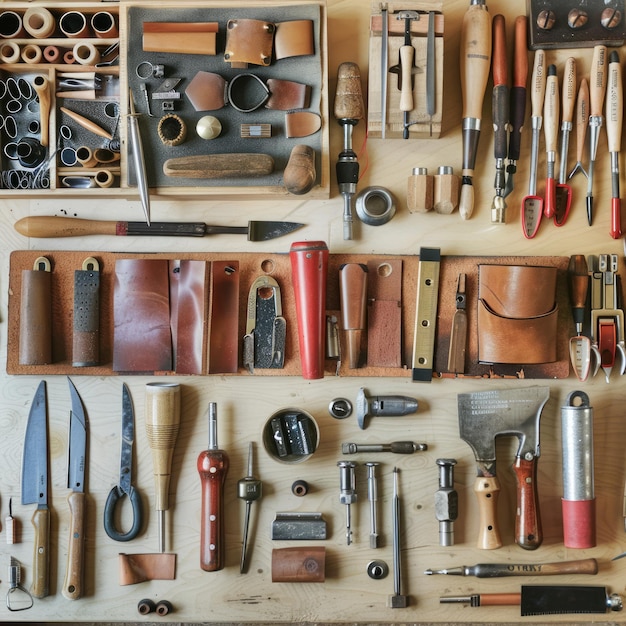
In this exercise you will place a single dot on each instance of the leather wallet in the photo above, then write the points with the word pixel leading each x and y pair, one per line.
pixel 517 314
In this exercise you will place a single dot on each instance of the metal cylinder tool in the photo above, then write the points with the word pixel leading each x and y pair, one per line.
pixel 579 510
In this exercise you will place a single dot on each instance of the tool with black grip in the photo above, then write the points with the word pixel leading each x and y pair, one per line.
pixel 212 466
pixel 349 109
pixel 475 63
pixel 546 600
pixel 484 416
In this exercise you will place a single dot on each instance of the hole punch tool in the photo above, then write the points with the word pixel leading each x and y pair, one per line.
pixel 607 318
pixel 125 487
pixel 266 328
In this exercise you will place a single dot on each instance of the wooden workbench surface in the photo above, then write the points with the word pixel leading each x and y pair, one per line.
pixel 245 403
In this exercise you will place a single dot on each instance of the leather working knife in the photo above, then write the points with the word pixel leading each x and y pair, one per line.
pixel 77 463
pixel 35 488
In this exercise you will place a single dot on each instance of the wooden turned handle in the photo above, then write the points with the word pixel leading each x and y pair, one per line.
pixel 538 83
pixel 349 96
pixel 528 532
pixel 487 490
pixel 43 226
pixel 569 90
pixel 299 175
pixel 551 110
pixel 520 60
pixel 614 104
pixel 597 79
pixel 582 118
pixel 73 585
pixel 41 553
pixel 499 63
pixel 407 55
pixel 42 89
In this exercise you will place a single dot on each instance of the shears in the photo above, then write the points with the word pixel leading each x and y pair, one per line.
pixel 125 487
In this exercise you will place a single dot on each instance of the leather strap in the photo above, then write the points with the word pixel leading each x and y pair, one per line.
pixel 137 568
pixel 301 123
pixel 142 341
pixel 294 39
pixel 384 313
pixel 35 347
pixel 224 331
pixel 86 333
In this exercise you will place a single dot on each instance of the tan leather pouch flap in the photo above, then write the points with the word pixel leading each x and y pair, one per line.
pixel 249 41
pixel 294 39
pixel 517 314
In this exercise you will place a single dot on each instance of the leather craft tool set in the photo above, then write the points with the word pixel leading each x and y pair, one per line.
pixel 327 344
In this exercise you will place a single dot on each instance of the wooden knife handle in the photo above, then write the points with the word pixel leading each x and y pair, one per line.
pixel 528 532
pixel 614 105
pixel 582 117
pixel 73 584
pixel 41 557
pixel 538 83
pixel 569 90
pixel 487 490
pixel 597 79
pixel 51 226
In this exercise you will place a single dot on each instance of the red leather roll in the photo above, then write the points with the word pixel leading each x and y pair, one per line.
pixel 309 270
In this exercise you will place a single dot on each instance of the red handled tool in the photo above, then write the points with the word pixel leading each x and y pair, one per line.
pixel 309 269
pixel 212 467
pixel 614 115
pixel 551 131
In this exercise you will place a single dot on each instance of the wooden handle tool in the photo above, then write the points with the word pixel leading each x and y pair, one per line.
pixel 475 64
pixel 551 131
pixel 73 584
pixel 614 116
pixel 86 123
pixel 582 123
pixel 42 88
pixel 227 165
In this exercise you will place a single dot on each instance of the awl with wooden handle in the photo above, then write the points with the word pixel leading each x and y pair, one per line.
pixel 551 130
pixel 475 64
pixel 614 115
pixel 582 123
pixel 497 570
pixel 50 226
pixel 212 466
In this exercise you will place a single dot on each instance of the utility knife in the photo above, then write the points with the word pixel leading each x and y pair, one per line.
pixel 77 463
pixel 35 488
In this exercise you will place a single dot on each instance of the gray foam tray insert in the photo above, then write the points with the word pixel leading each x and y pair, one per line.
pixel 303 69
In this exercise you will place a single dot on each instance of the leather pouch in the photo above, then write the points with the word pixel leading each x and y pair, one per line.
pixel 35 346
pixel 249 41
pixel 517 314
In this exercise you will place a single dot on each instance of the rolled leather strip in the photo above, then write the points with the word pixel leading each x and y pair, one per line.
pixel 286 95
pixel 294 38
pixel 249 41
pixel 517 314
pixel 39 22
pixel 301 123
pixel 180 37
pixel 86 332
pixel 11 25
pixel 137 568
pixel 104 25
pixel 86 53
pixel 74 24
pixel 35 347
pixel 299 565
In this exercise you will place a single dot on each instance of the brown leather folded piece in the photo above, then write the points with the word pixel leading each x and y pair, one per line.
pixel 286 95
pixel 142 340
pixel 517 314
pixel 180 37
pixel 249 41
pixel 35 347
pixel 301 123
pixel 294 38
pixel 137 568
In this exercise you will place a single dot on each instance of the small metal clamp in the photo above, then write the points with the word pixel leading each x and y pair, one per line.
pixel 266 329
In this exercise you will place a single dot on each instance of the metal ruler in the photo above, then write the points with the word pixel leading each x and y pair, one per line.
pixel 426 315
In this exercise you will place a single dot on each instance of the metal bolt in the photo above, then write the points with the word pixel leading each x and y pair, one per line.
pixel 446 502
pixel 611 18
pixel 546 19
pixel 372 496
pixel 577 18
pixel 347 492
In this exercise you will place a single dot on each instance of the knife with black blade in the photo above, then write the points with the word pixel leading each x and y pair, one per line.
pixel 73 585
pixel 35 488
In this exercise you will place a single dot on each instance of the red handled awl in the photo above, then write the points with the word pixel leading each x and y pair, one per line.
pixel 568 102
pixel 551 131
pixel 579 345
pixel 309 270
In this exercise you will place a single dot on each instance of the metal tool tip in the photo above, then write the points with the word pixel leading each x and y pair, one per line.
pixel 429 572
pixel 373 541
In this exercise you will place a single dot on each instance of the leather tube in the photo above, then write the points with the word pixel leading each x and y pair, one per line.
pixel 86 53
pixel 11 25
pixel 35 346
pixel 9 52
pixel 31 54
pixel 51 54
pixel 74 24
pixel 104 25
pixel 309 268
pixel 39 22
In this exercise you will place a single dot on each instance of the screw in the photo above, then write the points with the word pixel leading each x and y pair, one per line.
pixel 347 492
pixel 340 408
pixel 372 496
pixel 546 19
pixel 610 18
pixel 577 18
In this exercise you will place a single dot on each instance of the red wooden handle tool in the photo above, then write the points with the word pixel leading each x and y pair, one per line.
pixel 309 269
pixel 528 531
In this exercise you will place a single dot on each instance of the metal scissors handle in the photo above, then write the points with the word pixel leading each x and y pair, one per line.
pixel 124 487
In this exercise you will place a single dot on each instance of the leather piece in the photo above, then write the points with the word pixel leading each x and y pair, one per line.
pixel 249 41
pixel 35 345
pixel 86 335
pixel 224 320
pixel 294 38
pixel 137 568
pixel 142 341
pixel 180 37
pixel 299 565
pixel 206 91
pixel 384 313
pixel 286 95
pixel 301 123
pixel 188 289
pixel 517 314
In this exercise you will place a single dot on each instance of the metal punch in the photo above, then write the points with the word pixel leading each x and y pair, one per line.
pixel 264 341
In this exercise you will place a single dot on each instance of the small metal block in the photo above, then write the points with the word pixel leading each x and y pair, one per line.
pixel 398 601
pixel 167 105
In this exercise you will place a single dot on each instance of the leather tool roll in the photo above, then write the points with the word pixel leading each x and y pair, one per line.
pixel 35 346
pixel 517 314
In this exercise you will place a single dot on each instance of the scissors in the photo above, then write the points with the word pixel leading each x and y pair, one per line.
pixel 124 487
